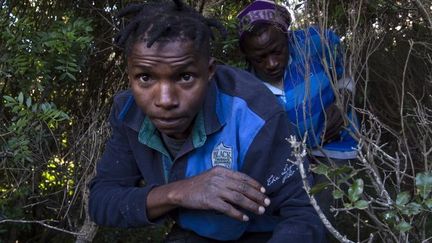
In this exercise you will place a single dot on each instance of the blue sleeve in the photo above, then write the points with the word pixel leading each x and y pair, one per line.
pixel 326 45
pixel 335 53
pixel 115 198
pixel 282 180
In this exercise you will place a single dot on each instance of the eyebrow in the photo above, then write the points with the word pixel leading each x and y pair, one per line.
pixel 176 67
pixel 144 60
pixel 268 50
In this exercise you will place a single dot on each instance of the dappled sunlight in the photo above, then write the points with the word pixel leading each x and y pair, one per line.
pixel 58 175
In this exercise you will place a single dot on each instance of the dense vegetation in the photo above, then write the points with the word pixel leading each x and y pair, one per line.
pixel 59 71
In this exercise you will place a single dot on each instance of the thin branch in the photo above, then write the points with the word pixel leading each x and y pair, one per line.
pixel 41 222
pixel 424 13
pixel 299 152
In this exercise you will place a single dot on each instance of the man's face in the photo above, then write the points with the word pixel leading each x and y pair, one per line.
pixel 267 53
pixel 169 82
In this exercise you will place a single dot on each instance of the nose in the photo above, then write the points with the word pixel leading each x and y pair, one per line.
pixel 166 97
pixel 272 63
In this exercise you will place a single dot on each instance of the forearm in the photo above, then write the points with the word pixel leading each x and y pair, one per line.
pixel 301 223
pixel 161 200
pixel 113 205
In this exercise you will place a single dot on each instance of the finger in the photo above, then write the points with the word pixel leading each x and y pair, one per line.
pixel 228 209
pixel 244 202
pixel 238 187
pixel 244 184
pixel 247 180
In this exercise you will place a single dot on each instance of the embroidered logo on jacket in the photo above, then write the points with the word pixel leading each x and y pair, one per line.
pixel 222 156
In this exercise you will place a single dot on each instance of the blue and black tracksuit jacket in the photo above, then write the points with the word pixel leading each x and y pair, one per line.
pixel 241 126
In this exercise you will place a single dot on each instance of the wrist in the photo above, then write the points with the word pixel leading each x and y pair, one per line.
pixel 173 195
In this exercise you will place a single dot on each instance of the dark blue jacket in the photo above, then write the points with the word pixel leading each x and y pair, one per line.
pixel 242 127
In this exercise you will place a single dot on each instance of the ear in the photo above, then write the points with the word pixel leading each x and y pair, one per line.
pixel 211 68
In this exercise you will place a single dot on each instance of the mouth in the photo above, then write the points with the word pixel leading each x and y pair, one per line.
pixel 275 74
pixel 168 123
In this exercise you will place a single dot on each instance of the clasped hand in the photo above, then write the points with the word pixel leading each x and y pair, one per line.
pixel 222 190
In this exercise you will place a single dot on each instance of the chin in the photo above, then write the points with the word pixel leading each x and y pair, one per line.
pixel 274 80
pixel 174 133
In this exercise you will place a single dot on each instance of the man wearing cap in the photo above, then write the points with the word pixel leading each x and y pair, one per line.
pixel 301 68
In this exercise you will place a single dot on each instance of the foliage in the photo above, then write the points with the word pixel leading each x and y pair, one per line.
pixel 28 133
pixel 386 192
pixel 28 124
pixel 59 70
pixel 39 62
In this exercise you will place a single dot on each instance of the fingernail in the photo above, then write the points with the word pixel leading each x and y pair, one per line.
pixel 261 210
pixel 267 201
pixel 245 218
pixel 262 189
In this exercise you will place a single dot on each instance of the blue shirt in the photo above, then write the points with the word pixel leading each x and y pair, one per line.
pixel 234 130
pixel 308 92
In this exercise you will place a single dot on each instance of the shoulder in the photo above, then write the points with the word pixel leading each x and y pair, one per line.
pixel 312 40
pixel 122 102
pixel 314 33
pixel 240 84
pixel 125 111
pixel 228 75
pixel 122 96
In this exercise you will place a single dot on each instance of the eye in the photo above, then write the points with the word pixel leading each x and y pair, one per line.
pixel 258 60
pixel 186 77
pixel 279 50
pixel 143 78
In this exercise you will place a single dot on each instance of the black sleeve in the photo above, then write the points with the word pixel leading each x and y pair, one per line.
pixel 283 183
pixel 115 199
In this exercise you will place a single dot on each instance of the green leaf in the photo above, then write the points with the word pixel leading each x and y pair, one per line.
pixel 321 169
pixel 22 112
pixel 343 179
pixel 62 76
pixel 402 198
pixel 71 76
pixel 29 102
pixel 16 109
pixel 424 184
pixel 347 205
pixel 341 170
pixel 319 187
pixel 44 107
pixel 34 107
pixel 412 209
pixel 21 98
pixel 337 194
pixel 403 226
pixel 355 190
pixel 9 99
pixel 428 203
pixel 40 87
pixel 361 204
pixel 389 216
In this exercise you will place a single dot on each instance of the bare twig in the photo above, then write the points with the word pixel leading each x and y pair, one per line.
pixel 41 222
pixel 299 152
pixel 424 13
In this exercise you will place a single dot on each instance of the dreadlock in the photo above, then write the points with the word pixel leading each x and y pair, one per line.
pixel 165 21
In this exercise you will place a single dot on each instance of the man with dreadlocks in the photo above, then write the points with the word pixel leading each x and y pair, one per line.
pixel 190 141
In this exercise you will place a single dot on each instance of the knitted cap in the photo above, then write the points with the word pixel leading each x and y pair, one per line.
pixel 263 11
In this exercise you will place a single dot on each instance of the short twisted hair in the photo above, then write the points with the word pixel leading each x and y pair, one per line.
pixel 164 21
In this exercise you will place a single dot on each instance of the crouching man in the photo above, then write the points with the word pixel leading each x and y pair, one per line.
pixel 191 141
